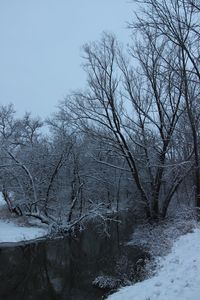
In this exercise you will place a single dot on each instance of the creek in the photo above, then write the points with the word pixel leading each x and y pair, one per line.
pixel 64 269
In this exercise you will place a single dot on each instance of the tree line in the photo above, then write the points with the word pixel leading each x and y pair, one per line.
pixel 130 138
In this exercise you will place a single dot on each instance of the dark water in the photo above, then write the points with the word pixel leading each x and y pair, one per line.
pixel 64 269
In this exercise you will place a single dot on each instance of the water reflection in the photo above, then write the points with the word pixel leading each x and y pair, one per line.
pixel 64 269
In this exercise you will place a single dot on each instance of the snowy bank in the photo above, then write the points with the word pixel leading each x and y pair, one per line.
pixel 12 233
pixel 2 201
pixel 177 277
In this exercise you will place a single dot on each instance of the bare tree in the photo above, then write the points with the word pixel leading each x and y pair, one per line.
pixel 177 24
pixel 128 109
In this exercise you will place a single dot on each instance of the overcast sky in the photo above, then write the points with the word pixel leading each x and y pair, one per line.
pixel 41 45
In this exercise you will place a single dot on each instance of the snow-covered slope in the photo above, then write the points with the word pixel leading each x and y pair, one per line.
pixel 11 232
pixel 177 278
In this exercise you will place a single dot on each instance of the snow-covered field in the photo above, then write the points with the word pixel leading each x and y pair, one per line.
pixel 177 278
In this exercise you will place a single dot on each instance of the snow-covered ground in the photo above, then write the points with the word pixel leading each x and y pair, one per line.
pixel 177 278
pixel 11 232
pixel 2 202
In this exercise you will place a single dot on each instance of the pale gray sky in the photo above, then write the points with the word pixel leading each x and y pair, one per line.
pixel 40 47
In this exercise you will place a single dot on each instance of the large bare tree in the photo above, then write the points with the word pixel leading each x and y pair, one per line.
pixel 176 23
pixel 135 111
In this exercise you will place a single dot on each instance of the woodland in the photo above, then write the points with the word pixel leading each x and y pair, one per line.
pixel 129 139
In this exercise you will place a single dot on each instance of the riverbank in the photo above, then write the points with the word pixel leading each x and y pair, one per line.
pixel 11 232
pixel 177 276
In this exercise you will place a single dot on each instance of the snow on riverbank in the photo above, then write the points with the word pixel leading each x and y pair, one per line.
pixel 177 278
pixel 11 232
pixel 2 201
